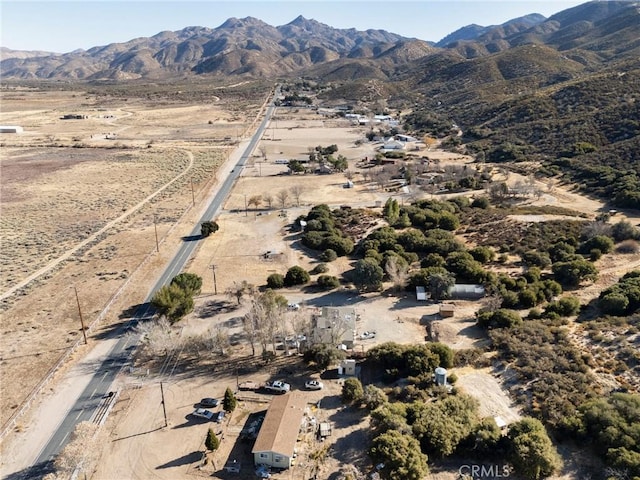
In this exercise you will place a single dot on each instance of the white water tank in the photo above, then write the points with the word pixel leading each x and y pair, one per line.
pixel 441 376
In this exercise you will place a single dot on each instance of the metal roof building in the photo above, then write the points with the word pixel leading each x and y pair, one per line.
pixel 276 441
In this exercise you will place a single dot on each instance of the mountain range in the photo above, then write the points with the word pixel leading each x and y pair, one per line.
pixel 251 47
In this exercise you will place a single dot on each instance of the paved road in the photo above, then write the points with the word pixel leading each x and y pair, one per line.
pixel 100 385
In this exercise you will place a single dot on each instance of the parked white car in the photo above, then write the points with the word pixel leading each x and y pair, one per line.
pixel 367 335
pixel 203 413
pixel 313 385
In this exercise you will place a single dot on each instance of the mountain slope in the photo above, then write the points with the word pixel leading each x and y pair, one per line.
pixel 245 46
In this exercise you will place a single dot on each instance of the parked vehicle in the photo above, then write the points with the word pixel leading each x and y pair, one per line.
pixel 277 386
pixel 367 335
pixel 262 471
pixel 232 466
pixel 203 413
pixel 209 402
pixel 219 417
pixel 313 385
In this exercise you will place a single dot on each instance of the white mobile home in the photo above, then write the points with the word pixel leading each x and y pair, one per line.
pixel 276 441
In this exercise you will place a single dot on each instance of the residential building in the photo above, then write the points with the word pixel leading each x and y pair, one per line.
pixel 335 326
pixel 275 445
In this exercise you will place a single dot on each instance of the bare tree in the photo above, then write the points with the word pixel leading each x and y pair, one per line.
pixel 381 177
pixel 296 191
pixel 255 200
pixel 251 326
pixel 219 338
pixel 239 290
pixel 267 197
pixel 263 152
pixel 159 337
pixel 491 303
pixel 300 323
pixel 398 272
pixel 282 197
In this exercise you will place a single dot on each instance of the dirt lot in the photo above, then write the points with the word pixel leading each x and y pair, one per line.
pixel 176 166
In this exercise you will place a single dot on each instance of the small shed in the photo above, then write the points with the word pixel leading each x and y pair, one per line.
pixel 502 425
pixel 421 294
pixel 324 430
pixel 347 367
pixel 447 310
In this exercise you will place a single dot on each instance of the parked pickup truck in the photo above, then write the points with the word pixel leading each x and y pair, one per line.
pixel 277 386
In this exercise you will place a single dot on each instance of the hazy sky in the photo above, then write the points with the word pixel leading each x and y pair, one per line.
pixel 63 26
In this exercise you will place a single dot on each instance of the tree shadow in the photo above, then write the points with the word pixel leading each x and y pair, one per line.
pixel 348 449
pixel 192 238
pixel 138 434
pixel 190 420
pixel 240 451
pixel 141 311
pixel 130 318
pixel 337 298
pixel 115 330
pixel 406 301
pixel 187 459
pixel 348 417
pixel 216 307
pixel 37 471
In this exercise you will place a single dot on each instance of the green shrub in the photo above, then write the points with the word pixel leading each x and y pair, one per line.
pixel 328 282
pixel 501 318
pixel 212 442
pixel 296 275
pixel 320 268
pixel 275 280
pixel 352 391
pixel 207 228
pixel 481 202
pixel 328 255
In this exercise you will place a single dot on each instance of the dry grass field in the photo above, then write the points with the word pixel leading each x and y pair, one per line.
pixel 86 218
pixel 82 201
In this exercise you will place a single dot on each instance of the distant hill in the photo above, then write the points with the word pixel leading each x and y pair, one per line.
pixel 245 46
pixel 475 32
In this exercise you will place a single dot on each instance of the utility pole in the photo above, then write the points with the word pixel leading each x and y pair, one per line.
pixel 155 227
pixel 84 333
pixel 193 195
pixel 215 284
pixel 246 214
pixel 164 408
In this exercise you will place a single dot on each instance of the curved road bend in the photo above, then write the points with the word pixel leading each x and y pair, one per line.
pixel 100 384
